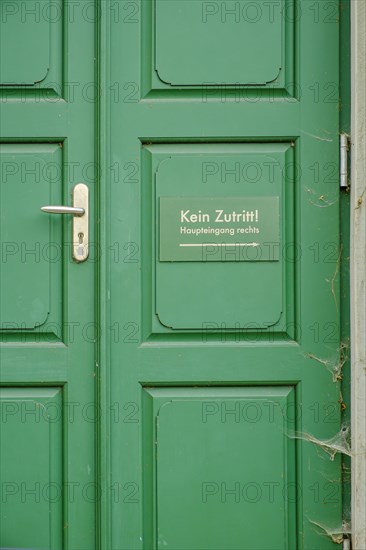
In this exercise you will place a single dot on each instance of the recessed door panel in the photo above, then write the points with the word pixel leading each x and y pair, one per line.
pixel 233 43
pixel 203 438
pixel 31 468
pixel 26 61
pixel 223 219
pixel 32 248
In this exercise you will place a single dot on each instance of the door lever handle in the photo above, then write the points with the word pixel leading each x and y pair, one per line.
pixel 80 226
pixel 63 210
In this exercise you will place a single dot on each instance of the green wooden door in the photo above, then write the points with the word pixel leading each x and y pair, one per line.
pixel 219 335
pixel 47 319
pixel 223 348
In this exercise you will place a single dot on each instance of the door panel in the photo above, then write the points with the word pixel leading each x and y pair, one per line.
pixel 203 58
pixel 203 438
pixel 31 467
pixel 198 114
pixel 35 61
pixel 47 310
pixel 27 182
pixel 194 294
pixel 189 45
pixel 20 63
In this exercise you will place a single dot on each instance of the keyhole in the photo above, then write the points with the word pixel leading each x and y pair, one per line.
pixel 81 236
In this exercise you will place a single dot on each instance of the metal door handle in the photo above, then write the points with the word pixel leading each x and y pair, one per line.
pixel 80 226
pixel 63 210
